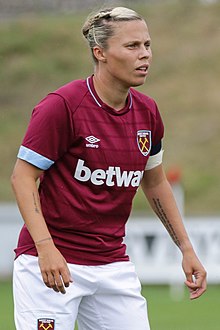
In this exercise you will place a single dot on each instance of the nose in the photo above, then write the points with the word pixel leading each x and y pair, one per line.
pixel 145 52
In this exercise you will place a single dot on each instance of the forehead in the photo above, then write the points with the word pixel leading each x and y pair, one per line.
pixel 126 31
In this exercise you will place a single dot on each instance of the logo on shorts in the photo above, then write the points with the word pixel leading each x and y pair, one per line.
pixel 45 324
pixel 144 141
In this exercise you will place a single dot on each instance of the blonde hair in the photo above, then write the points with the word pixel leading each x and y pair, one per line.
pixel 98 27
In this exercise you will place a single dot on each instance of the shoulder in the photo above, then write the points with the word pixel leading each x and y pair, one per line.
pixel 73 92
pixel 62 101
pixel 71 87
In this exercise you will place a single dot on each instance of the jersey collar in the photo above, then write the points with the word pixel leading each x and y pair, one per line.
pixel 103 105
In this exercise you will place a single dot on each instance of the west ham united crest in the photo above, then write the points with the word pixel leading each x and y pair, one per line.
pixel 45 324
pixel 144 141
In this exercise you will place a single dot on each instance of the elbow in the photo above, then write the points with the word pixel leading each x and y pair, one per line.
pixel 17 177
pixel 24 175
pixel 14 180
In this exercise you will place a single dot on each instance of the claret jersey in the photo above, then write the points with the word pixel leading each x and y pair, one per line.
pixel 93 159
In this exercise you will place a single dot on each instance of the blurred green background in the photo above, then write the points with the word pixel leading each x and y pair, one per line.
pixel 40 52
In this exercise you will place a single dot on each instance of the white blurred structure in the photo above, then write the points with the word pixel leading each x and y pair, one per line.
pixel 158 260
pixel 10 225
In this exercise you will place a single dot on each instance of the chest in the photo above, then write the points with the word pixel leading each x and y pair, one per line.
pixel 105 140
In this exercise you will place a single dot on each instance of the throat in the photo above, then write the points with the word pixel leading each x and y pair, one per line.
pixel 111 96
pixel 115 104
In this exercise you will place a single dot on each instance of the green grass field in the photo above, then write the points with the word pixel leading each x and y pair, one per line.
pixel 164 313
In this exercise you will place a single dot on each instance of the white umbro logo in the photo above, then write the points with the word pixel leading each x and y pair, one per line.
pixel 92 140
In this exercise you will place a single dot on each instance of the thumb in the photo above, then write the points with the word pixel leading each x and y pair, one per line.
pixel 189 276
pixel 190 283
pixel 188 272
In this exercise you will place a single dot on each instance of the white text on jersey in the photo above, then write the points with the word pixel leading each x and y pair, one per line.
pixel 111 177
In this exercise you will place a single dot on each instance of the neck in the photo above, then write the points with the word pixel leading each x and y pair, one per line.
pixel 110 92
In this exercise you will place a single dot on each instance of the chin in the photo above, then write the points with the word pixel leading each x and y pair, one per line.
pixel 137 83
pixel 133 82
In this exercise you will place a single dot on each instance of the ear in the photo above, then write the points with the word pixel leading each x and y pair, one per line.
pixel 99 54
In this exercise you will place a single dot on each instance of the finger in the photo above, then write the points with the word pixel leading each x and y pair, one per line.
pixel 200 279
pixel 202 286
pixel 59 283
pixel 60 287
pixel 46 279
pixel 192 288
pixel 51 282
pixel 66 277
pixel 189 276
pixel 191 285
pixel 197 293
pixel 195 290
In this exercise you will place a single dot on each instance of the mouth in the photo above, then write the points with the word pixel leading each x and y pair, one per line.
pixel 143 68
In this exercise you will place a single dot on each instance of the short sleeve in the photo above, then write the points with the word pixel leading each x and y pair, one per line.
pixel 49 133
pixel 156 153
pixel 157 132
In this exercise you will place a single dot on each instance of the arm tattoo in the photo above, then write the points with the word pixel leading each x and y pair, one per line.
pixel 36 208
pixel 163 217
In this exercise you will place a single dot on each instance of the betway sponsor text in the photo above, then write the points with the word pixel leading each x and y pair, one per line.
pixel 112 176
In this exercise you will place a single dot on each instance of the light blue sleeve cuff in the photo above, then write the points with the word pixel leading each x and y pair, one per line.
pixel 34 158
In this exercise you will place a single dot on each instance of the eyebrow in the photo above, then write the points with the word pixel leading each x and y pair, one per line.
pixel 136 42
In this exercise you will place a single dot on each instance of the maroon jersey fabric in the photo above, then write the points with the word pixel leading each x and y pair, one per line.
pixel 94 158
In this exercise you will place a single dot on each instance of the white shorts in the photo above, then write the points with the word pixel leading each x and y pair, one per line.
pixel 103 297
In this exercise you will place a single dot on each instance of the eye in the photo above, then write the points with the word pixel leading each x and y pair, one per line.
pixel 147 44
pixel 132 46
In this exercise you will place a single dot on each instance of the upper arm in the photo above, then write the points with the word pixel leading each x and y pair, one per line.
pixel 153 177
pixel 24 169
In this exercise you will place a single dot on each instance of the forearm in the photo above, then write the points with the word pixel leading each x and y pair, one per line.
pixel 28 201
pixel 53 266
pixel 161 199
pixel 160 196
pixel 163 203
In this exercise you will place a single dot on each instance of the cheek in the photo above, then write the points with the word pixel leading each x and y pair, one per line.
pixel 118 57
pixel 118 64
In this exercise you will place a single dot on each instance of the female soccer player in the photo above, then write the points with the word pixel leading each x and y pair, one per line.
pixel 92 143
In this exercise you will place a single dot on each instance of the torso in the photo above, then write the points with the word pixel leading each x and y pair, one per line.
pixel 87 194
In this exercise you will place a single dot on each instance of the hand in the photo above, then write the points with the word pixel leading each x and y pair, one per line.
pixel 195 275
pixel 53 266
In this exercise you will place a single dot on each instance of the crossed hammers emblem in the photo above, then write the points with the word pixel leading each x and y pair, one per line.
pixel 46 328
